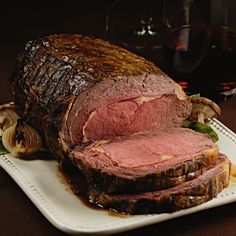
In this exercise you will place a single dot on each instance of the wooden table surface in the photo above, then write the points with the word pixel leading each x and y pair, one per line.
pixel 18 216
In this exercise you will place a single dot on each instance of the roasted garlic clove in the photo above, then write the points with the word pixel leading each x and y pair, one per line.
pixel 20 139
pixel 8 116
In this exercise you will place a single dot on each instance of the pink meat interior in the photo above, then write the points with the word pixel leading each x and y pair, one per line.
pixel 149 149
pixel 132 116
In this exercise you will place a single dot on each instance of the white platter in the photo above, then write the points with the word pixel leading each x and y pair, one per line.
pixel 41 182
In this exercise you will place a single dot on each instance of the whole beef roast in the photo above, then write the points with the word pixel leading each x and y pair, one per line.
pixel 146 162
pixel 114 115
pixel 117 92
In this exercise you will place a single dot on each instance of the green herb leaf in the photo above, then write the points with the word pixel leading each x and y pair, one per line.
pixel 202 128
pixel 3 150
pixel 197 95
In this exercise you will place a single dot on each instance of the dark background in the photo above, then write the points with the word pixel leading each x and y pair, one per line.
pixel 21 21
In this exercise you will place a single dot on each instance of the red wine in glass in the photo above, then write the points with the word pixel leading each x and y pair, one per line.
pixel 202 57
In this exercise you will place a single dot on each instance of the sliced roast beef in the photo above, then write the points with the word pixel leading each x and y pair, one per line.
pixel 116 116
pixel 146 162
pixel 117 92
pixel 188 194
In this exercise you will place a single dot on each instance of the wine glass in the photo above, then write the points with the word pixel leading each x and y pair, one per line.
pixel 134 24
pixel 202 46
pixel 189 34
pixel 224 44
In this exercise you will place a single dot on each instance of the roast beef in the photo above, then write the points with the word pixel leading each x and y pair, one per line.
pixel 188 194
pixel 146 162
pixel 116 116
pixel 117 92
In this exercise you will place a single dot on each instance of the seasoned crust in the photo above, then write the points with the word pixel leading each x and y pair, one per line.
pixel 189 194
pixel 63 65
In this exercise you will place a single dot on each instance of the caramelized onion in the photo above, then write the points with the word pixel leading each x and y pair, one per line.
pixel 21 139
pixel 8 116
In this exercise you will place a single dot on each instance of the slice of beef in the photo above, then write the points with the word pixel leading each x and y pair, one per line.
pixel 188 194
pixel 116 92
pixel 146 162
